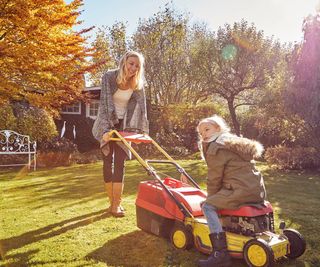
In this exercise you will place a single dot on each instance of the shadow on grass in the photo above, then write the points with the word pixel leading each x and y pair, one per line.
pixel 20 259
pixel 133 249
pixel 48 232
pixel 81 183
pixel 24 260
pixel 141 249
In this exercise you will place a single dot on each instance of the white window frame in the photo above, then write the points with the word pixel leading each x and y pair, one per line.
pixel 72 112
pixel 88 106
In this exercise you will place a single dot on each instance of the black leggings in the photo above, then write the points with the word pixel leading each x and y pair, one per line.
pixel 113 163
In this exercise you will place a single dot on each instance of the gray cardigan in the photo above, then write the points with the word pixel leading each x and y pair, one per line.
pixel 135 118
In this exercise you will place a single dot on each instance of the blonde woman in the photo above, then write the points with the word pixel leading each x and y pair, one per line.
pixel 232 180
pixel 123 107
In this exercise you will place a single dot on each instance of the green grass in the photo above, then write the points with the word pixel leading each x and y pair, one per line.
pixel 55 217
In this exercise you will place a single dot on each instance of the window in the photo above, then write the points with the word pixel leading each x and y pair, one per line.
pixel 72 109
pixel 92 109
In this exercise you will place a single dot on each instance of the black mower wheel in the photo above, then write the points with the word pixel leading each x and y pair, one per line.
pixel 297 243
pixel 181 236
pixel 258 253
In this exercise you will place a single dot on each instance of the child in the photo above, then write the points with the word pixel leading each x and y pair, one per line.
pixel 232 180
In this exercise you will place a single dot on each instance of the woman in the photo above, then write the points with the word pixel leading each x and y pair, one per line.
pixel 122 107
pixel 232 180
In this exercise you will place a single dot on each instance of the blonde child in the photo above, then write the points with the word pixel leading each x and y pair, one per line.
pixel 232 180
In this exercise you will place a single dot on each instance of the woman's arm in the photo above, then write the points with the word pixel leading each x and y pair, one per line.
pixel 106 101
pixel 104 122
pixel 141 100
pixel 145 122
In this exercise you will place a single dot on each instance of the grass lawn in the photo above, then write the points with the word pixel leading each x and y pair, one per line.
pixel 55 217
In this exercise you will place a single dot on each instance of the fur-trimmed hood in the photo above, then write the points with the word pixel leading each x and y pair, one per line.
pixel 244 147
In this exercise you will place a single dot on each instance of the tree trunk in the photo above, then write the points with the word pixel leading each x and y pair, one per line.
pixel 233 115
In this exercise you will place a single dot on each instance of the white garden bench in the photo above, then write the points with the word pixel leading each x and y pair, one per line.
pixel 13 143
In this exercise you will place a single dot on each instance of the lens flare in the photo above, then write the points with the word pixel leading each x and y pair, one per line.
pixel 229 52
pixel 242 42
pixel 23 172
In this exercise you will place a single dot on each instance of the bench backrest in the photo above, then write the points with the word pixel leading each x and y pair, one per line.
pixel 15 143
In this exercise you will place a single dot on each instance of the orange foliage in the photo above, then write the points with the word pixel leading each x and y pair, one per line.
pixel 42 58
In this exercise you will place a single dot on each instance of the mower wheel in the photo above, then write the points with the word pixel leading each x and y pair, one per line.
pixel 181 236
pixel 257 253
pixel 297 243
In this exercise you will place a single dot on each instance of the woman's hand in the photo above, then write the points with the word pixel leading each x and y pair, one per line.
pixel 106 137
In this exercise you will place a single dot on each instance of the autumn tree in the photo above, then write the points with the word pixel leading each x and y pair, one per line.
pixel 303 94
pixel 110 44
pixel 237 61
pixel 42 57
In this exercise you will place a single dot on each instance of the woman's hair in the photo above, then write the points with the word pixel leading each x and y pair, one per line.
pixel 216 120
pixel 136 82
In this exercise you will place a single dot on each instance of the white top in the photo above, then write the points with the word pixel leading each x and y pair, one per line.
pixel 120 100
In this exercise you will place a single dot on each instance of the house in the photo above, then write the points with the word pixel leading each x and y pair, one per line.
pixel 77 120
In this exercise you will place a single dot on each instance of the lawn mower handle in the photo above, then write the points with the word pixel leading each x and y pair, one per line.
pixel 151 171
pixel 178 167
pixel 181 207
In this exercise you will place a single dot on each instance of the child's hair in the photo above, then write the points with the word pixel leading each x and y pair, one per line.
pixel 217 120
pixel 136 82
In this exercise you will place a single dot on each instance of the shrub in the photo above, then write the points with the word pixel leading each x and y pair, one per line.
pixel 35 122
pixel 293 158
pixel 58 144
pixel 7 118
pixel 56 152
pixel 88 157
pixel 178 151
pixel 27 120
pixel 175 125
pixel 195 156
pixel 13 159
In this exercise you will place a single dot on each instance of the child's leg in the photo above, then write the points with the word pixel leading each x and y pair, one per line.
pixel 219 256
pixel 210 212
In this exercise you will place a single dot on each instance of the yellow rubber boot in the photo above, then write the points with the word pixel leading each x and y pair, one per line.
pixel 117 210
pixel 109 190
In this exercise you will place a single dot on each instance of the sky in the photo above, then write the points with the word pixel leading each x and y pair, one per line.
pixel 279 18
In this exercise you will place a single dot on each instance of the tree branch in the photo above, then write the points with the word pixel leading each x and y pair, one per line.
pixel 244 104
pixel 3 35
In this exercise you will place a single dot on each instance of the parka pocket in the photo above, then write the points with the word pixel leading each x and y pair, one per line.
pixel 225 192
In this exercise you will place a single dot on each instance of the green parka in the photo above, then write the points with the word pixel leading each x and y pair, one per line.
pixel 233 180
